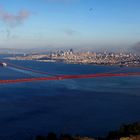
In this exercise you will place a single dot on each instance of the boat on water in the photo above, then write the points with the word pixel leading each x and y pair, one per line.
pixel 3 64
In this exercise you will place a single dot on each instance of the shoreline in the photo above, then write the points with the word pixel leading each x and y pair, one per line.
pixel 76 63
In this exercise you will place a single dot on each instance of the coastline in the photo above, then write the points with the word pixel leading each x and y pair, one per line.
pixel 58 61
pixel 125 132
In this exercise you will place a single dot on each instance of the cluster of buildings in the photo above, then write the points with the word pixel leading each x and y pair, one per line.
pixel 69 56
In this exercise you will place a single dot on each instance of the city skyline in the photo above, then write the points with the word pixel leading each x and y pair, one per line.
pixel 69 23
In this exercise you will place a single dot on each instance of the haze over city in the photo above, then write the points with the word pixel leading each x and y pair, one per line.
pixel 69 23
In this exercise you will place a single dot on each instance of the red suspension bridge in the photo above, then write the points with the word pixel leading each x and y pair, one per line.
pixel 62 77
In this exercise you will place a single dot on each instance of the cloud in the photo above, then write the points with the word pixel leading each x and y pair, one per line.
pixel 14 19
pixel 70 32
pixel 136 47
pixel 8 33
pixel 90 9
pixel 61 1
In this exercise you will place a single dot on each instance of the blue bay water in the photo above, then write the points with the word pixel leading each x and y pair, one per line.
pixel 89 107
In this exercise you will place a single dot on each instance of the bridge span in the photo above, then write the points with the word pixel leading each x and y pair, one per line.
pixel 63 77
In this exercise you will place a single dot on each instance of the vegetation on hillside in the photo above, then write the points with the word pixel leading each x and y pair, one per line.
pixel 125 132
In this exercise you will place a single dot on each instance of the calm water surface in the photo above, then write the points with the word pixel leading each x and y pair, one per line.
pixel 89 107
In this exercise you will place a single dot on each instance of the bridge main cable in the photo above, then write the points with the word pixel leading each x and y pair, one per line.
pixel 29 69
pixel 51 74
pixel 63 77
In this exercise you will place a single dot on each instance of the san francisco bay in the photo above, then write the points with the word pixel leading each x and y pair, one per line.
pixel 88 107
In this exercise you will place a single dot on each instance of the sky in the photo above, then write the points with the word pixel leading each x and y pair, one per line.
pixel 69 23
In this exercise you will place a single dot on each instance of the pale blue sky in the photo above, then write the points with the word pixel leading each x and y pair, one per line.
pixel 70 23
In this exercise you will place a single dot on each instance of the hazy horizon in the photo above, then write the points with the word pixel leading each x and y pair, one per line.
pixel 96 24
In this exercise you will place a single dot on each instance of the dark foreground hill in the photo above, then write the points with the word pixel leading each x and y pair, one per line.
pixel 125 132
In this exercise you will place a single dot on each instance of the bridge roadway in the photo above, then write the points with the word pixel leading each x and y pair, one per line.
pixel 63 77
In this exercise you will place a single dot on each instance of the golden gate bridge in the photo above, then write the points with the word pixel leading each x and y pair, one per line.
pixel 50 77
